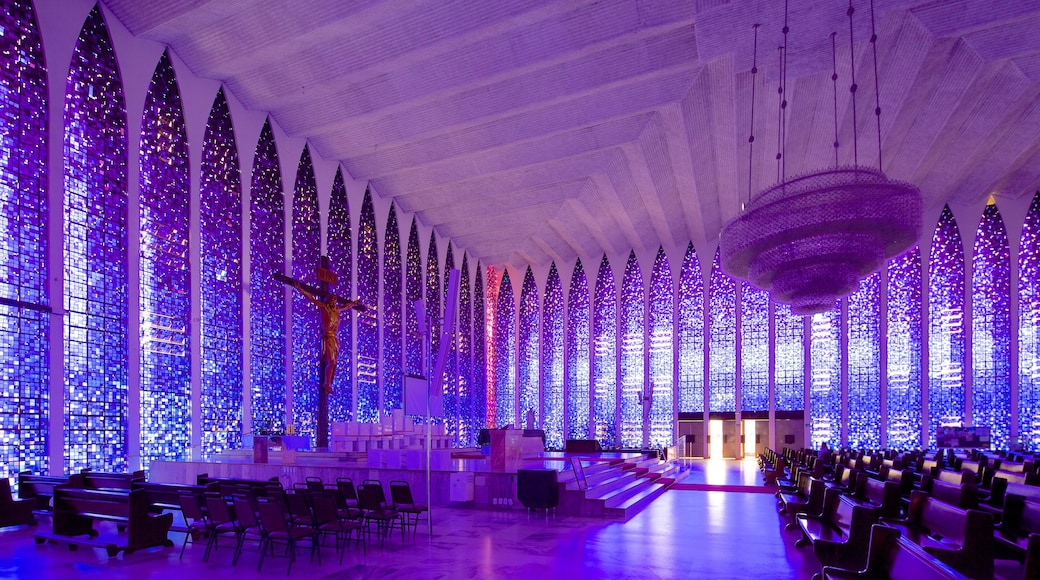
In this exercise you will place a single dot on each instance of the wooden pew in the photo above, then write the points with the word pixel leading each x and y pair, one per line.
pixel 843 478
pixel 963 496
pixel 891 557
pixel 164 497
pixel 808 498
pixel 903 477
pixel 228 486
pixel 75 510
pixel 111 481
pixel 1021 519
pixel 14 512
pixel 841 533
pixel 1001 489
pixel 39 488
pixel 883 495
pixel 961 538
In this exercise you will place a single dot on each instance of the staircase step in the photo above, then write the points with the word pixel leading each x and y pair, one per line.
pixel 619 495
pixel 609 488
pixel 633 504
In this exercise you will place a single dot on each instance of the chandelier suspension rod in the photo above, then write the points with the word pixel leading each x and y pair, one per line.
pixel 853 87
pixel 834 83
pixel 751 138
pixel 877 86
pixel 783 100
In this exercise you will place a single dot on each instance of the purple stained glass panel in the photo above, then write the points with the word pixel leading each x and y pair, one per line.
pixel 529 352
pixel 789 362
pixel 690 326
pixel 413 357
pixel 604 360
pixel 754 349
pixel 479 418
pixel 825 383
pixel 450 378
pixel 1028 329
pixel 505 354
pixel 306 320
pixel 552 361
pixel 393 377
pixel 24 332
pixel 991 329
pixel 220 217
pixel 946 341
pixel 165 304
pixel 864 370
pixel 903 388
pixel 578 355
pixel 466 428
pixel 341 258
pixel 491 304
pixel 722 341
pixel 660 327
pixel 267 295
pixel 368 321
pixel 95 254
pixel 632 352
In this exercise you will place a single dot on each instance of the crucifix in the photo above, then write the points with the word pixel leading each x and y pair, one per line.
pixel 329 306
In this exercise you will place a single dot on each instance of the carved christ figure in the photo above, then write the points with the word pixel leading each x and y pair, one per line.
pixel 330 309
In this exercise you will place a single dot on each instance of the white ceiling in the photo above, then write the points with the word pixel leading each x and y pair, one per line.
pixel 544 130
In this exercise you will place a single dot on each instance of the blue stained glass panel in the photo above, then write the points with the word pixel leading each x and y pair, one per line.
pixel 491 298
pixel 864 370
pixel 690 325
pixel 1028 329
pixel 306 320
pixel 825 378
pixel 368 321
pixel 393 377
pixel 505 354
pixel 220 217
pixel 754 349
pixel 789 365
pixel 991 329
pixel 341 259
pixel 552 360
pixel 633 364
pixel 466 428
pixel 267 304
pixel 903 392
pixel 450 378
pixel 480 366
pixel 946 341
pixel 95 254
pixel 433 296
pixel 529 351
pixel 413 356
pixel 722 341
pixel 604 361
pixel 24 332
pixel 165 272
pixel 578 355
pixel 660 327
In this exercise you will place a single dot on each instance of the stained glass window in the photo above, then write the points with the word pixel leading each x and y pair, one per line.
pixel 633 365
pixel 1029 329
pixel 825 378
pixel 789 361
pixel 578 369
pixel 341 259
pixel 864 370
pixel 433 295
pixel 95 254
pixel 490 361
pixel 165 272
pixel 604 362
pixel 722 341
pixel 393 379
pixel 450 379
pixel 529 351
pixel 306 320
pixel 466 427
pixel 220 215
pixel 754 349
pixel 903 391
pixel 991 329
pixel 368 321
pixel 552 361
pixel 659 357
pixel 946 346
pixel 24 317
pixel 505 354
pixel 690 322
pixel 480 382
pixel 413 357
pixel 267 304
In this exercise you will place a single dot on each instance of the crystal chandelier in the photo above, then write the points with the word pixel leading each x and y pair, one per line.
pixel 810 239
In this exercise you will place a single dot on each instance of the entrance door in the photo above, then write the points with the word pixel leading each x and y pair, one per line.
pixel 715 438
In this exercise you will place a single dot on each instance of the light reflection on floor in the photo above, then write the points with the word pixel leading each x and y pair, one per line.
pixel 722 471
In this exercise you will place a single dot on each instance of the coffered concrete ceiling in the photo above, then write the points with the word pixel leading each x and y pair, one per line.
pixel 538 130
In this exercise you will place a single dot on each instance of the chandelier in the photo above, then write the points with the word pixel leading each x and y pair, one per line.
pixel 810 239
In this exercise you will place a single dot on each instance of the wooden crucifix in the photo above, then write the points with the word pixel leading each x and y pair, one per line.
pixel 330 306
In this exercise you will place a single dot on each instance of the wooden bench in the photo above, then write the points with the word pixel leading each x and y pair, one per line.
pixel 111 481
pixel 963 496
pixel 883 495
pixel 961 538
pixel 14 512
pixel 891 557
pixel 842 479
pixel 39 488
pixel 808 497
pixel 75 510
pixel 228 486
pixel 955 477
pixel 841 533
pixel 1021 518
pixel 903 477
pixel 164 497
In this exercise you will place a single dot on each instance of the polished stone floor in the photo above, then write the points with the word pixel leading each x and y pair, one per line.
pixel 682 534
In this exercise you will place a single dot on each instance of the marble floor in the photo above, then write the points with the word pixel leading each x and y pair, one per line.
pixel 682 534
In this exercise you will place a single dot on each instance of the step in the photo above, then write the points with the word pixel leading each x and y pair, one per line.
pixel 607 488
pixel 623 495
pixel 600 479
pixel 632 505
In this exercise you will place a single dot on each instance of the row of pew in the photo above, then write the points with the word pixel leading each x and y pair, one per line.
pixel 907 515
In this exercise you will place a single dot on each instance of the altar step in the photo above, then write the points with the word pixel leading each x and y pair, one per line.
pixel 617 490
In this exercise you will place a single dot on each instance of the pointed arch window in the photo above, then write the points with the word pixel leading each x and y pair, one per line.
pixel 903 384
pixel 505 354
pixel 659 356
pixel 946 341
pixel 368 322
pixel 690 323
pixel 578 355
pixel 341 258
pixel 864 369
pixel 552 360
pixel 466 427
pixel 393 378
pixel 604 358
pixel 529 351
pixel 1028 330
pixel 991 329
pixel 722 342
pixel 633 363
pixel 306 320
